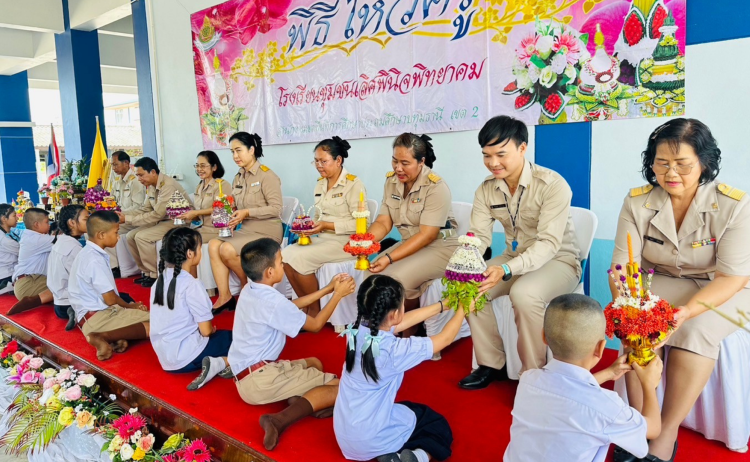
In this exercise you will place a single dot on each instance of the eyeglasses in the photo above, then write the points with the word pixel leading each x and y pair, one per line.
pixel 663 169
pixel 201 166
pixel 319 163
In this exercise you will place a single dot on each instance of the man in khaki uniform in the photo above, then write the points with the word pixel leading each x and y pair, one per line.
pixel 150 220
pixel 541 260
pixel 129 194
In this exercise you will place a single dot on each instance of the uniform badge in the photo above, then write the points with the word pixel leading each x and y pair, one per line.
pixel 704 242
pixel 498 206
pixel 396 196
pixel 416 201
pixel 255 184
pixel 334 196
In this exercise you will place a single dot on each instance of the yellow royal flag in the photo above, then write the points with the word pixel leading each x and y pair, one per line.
pixel 98 158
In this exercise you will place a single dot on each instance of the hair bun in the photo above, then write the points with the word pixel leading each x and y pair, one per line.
pixel 258 139
pixel 345 146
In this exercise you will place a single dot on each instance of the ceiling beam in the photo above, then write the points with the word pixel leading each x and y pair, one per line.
pixel 32 15
pixel 122 28
pixel 88 15
pixel 117 52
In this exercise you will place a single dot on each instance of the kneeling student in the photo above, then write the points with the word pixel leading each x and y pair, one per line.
pixel 182 334
pixel 107 321
pixel 561 414
pixel 30 276
pixel 72 224
pixel 263 320
pixel 367 421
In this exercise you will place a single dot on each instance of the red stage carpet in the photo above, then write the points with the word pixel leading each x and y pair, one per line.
pixel 480 419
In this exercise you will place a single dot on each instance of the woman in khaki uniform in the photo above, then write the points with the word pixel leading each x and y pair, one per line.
pixel 257 196
pixel 418 203
pixel 336 197
pixel 209 169
pixel 693 231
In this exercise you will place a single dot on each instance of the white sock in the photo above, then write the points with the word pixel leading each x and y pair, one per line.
pixel 421 455
pixel 215 366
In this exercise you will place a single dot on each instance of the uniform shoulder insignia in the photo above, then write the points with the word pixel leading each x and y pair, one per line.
pixel 264 168
pixel 320 178
pixel 434 178
pixel 734 193
pixel 635 192
pixel 351 177
pixel 389 174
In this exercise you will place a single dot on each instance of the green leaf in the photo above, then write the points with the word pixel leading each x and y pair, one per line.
pixel 584 38
pixel 538 62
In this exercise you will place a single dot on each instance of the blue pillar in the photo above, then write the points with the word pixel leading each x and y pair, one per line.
pixel 17 154
pixel 566 149
pixel 143 73
pixel 80 77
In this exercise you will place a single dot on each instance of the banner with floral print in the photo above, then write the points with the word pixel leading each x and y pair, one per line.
pixel 304 70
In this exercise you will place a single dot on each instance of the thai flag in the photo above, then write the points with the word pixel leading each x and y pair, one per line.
pixel 53 158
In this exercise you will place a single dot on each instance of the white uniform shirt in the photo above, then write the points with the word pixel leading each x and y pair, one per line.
pixel 263 320
pixel 60 262
pixel 174 333
pixel 33 254
pixel 561 414
pixel 90 278
pixel 9 248
pixel 366 420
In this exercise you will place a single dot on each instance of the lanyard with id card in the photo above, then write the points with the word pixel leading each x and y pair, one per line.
pixel 514 218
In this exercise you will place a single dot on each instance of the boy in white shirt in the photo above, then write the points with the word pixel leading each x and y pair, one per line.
pixel 30 276
pixel 561 414
pixel 106 320
pixel 263 320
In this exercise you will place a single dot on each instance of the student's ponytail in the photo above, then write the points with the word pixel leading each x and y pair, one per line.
pixel 159 291
pixel 67 213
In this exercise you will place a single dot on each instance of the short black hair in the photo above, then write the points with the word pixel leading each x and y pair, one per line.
pixel 213 161
pixel 101 221
pixel 689 131
pixel 336 147
pixel 147 164
pixel 257 256
pixel 33 215
pixel 250 140
pixel 499 129
pixel 121 156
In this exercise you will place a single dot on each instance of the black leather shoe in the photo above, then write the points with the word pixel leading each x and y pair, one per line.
pixel 140 279
pixel 622 455
pixel 653 458
pixel 148 281
pixel 482 377
pixel 116 273
pixel 231 305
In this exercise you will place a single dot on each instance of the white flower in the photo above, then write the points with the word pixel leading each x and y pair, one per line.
pixel 86 380
pixel 113 397
pixel 523 80
pixel 548 77
pixel 126 452
pixel 558 63
pixel 363 214
pixel 48 393
pixel 115 444
pixel 469 240
pixel 544 45
pixel 133 410
pixel 571 74
pixel 135 437
pixel 534 73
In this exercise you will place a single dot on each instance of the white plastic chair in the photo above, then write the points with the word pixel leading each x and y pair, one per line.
pixel 346 311
pixel 585 223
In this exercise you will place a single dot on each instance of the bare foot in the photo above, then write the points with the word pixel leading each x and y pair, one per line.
pixel 120 346
pixel 103 348
pixel 271 439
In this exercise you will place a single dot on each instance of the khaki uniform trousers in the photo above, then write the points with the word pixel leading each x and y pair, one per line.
pixel 28 286
pixel 325 248
pixel 112 251
pixel 704 333
pixel 417 271
pixel 113 318
pixel 530 294
pixel 280 380
pixel 252 230
pixel 142 245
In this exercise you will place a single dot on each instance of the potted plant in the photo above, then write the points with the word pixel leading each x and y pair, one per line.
pixel 43 194
pixel 65 192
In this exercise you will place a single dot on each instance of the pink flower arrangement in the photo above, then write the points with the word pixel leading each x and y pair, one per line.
pixel 63 375
pixel 73 393
pixel 197 451
pixel 36 363
pixel 128 424
pixel 527 48
pixel 30 377
pixel 146 442
pixel 568 45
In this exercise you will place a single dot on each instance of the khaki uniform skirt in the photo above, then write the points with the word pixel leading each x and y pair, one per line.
pixel 704 333
pixel 325 248
pixel 255 229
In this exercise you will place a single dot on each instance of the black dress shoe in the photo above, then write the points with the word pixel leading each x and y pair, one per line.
pixel 148 281
pixel 653 458
pixel 622 455
pixel 482 377
pixel 116 273
pixel 231 305
pixel 140 279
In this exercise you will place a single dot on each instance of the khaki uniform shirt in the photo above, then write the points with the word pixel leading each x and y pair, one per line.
pixel 540 208
pixel 129 193
pixel 713 236
pixel 428 203
pixel 336 206
pixel 259 191
pixel 154 209
pixel 205 195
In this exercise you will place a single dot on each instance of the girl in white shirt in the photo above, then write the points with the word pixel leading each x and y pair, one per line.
pixel 182 334
pixel 9 245
pixel 66 245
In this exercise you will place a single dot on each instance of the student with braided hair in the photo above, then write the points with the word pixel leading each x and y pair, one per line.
pixel 9 246
pixel 182 334
pixel 66 246
pixel 366 420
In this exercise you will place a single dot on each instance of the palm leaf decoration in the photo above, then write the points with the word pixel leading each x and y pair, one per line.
pixel 31 427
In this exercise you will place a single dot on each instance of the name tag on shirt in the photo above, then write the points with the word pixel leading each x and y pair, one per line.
pixel 255 184
pixel 498 206
pixel 658 241
pixel 318 195
pixel 239 186
pixel 395 196
pixel 337 195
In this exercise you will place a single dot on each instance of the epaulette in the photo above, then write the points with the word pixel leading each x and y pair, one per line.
pixel 389 174
pixel 264 168
pixel 635 192
pixel 351 177
pixel 434 178
pixel 734 193
pixel 320 178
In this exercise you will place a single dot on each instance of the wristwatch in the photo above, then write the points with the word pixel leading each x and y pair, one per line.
pixel 508 274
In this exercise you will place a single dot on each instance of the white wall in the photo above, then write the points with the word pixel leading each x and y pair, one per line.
pixel 458 155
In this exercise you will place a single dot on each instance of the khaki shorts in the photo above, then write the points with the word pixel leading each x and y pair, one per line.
pixel 114 317
pixel 30 285
pixel 280 380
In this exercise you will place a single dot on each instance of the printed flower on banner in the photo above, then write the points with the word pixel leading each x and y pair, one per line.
pixel 239 19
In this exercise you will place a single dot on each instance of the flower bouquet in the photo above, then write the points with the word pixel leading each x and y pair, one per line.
pixel 303 222
pixel 65 193
pixel 21 204
pixel 222 215
pixel 98 198
pixel 637 317
pixel 464 273
pixel 545 63
pixel 176 206
pixel 361 244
